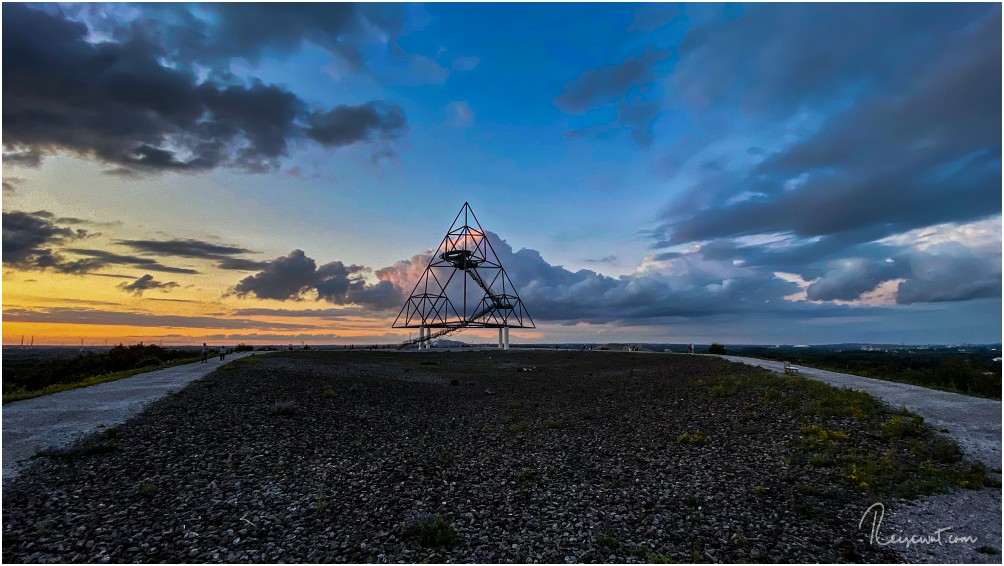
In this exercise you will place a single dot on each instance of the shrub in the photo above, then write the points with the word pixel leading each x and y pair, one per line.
pixel 716 348
pixel 328 394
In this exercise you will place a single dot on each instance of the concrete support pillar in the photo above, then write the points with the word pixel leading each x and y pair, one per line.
pixel 500 338
pixel 421 337
pixel 506 337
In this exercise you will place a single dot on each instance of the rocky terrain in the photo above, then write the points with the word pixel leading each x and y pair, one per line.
pixel 474 456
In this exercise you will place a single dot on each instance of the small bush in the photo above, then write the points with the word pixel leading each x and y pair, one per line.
pixel 716 348
pixel 328 394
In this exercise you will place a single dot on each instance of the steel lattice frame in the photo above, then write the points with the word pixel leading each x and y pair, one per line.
pixel 465 252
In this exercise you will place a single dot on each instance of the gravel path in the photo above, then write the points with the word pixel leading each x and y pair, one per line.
pixel 975 424
pixel 60 419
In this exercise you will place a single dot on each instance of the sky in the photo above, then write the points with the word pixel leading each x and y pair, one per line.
pixel 272 174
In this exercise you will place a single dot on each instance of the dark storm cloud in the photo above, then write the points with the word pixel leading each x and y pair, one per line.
pixel 599 86
pixel 851 278
pixel 308 313
pixel 896 130
pixel 921 145
pixel 348 124
pixel 29 236
pixel 776 57
pixel 950 275
pixel 70 315
pixel 238 264
pixel 146 283
pixel 120 103
pixel 214 34
pixel 103 258
pixel 184 248
pixel 292 276
pixel 222 254
pixel 637 117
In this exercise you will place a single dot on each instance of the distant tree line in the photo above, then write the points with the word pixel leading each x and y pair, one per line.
pixel 43 373
pixel 974 373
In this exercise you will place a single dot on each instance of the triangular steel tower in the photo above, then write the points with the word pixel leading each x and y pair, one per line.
pixel 464 286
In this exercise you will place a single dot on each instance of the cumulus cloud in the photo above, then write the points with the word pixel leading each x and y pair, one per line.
pixel 120 101
pixel 146 283
pixel 295 275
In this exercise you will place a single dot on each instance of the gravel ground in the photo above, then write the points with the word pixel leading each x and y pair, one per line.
pixel 530 456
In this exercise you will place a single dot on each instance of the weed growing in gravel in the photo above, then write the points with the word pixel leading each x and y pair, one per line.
pixel 518 428
pixel 819 436
pixel 608 541
pixel 525 476
pixel 554 423
pixel 902 425
pixel 431 531
pixel 328 394
pixel 820 460
pixel 719 391
pixel 284 408
pixel 101 443
pixel 696 438
pixel 321 506
pixel 145 489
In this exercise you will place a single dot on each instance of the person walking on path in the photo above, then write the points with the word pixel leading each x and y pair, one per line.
pixel 223 353
pixel 205 352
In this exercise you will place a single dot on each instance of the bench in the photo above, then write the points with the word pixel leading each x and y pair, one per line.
pixel 790 369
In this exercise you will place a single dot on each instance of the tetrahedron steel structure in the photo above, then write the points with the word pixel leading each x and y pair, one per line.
pixel 464 286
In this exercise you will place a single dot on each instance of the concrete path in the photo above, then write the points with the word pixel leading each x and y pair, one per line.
pixel 973 422
pixel 59 419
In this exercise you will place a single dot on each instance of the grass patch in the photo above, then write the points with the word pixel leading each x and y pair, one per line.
pixel 20 394
pixel 95 444
pixel 431 532
pixel 554 423
pixel 697 437
pixel 518 428
pixel 525 477
pixel 328 394
pixel 608 541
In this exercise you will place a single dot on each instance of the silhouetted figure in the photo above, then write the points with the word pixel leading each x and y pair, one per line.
pixel 690 349
pixel 205 352
pixel 223 353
